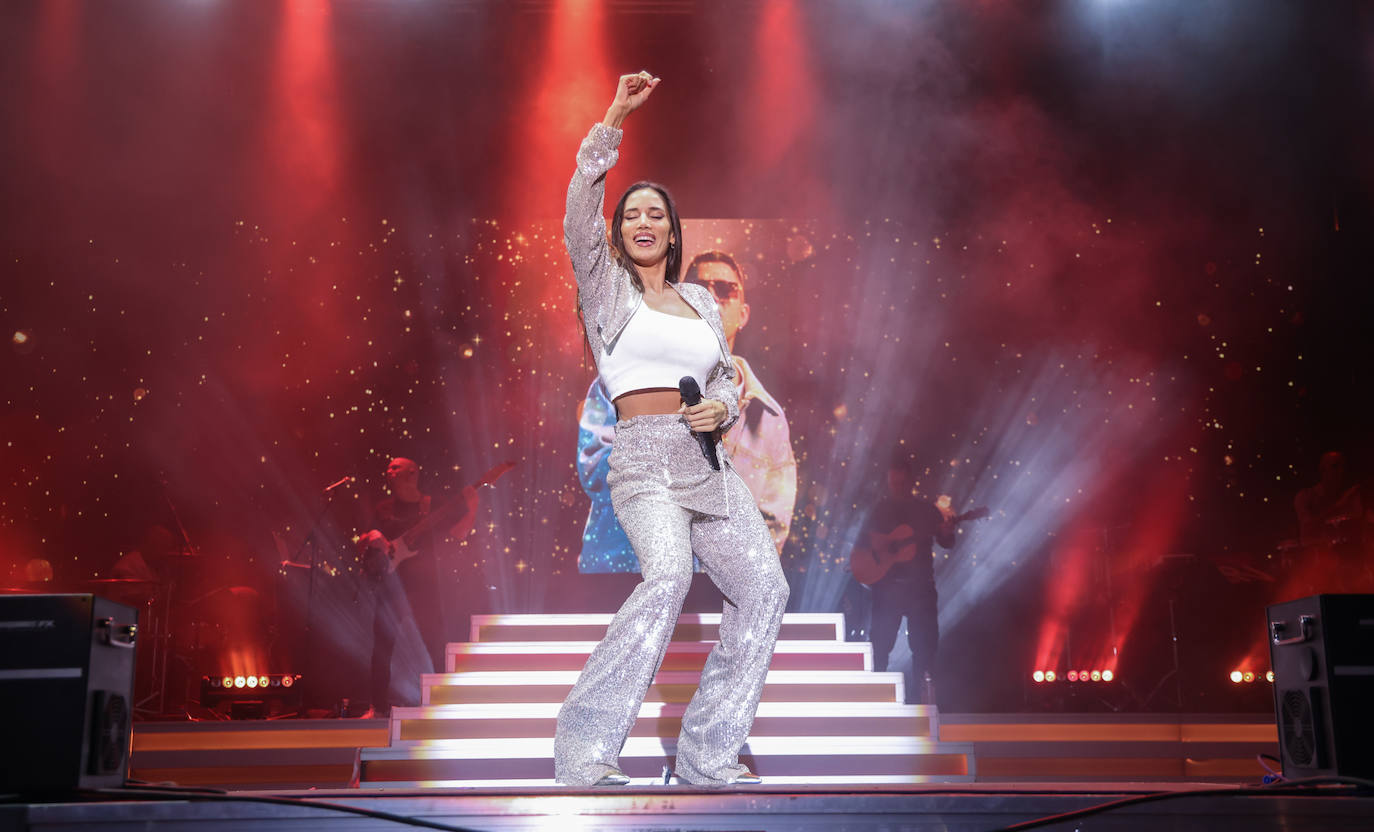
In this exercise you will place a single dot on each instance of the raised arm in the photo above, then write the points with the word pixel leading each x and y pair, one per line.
pixel 945 532
pixel 584 220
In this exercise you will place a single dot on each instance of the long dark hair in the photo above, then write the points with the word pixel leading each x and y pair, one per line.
pixel 673 268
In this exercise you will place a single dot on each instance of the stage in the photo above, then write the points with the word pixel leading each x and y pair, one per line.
pixel 833 739
pixel 1032 476
pixel 1176 806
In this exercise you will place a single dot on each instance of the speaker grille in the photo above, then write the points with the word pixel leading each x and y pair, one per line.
pixel 110 733
pixel 1299 733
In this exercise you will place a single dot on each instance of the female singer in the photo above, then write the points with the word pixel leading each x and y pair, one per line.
pixel 647 331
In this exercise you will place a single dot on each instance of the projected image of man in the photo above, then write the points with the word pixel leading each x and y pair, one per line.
pixel 760 444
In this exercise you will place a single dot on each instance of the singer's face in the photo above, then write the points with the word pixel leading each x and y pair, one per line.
pixel 646 227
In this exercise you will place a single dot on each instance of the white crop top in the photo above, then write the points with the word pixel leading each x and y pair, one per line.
pixel 656 349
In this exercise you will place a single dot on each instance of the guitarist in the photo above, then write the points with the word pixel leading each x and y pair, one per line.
pixel 908 588
pixel 409 588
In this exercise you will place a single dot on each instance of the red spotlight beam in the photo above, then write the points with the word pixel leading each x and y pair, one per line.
pixel 567 95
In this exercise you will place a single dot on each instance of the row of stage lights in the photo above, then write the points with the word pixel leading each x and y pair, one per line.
pixel 252 696
pixel 1239 677
pixel 1048 676
pixel 243 682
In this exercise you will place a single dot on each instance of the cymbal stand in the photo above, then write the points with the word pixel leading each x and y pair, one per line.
pixel 187 545
pixel 159 626
pixel 155 703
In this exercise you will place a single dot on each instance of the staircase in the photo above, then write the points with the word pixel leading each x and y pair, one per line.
pixel 825 716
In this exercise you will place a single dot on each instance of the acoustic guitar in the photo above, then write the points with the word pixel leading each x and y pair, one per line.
pixel 871 563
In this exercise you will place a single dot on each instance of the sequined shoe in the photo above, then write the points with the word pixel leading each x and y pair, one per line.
pixel 748 778
pixel 612 778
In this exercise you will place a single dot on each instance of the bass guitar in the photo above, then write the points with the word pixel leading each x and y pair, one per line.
pixel 381 557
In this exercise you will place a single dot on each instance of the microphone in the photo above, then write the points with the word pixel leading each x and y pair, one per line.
pixel 334 485
pixel 691 395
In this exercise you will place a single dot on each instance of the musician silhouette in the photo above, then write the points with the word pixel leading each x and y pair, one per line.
pixel 404 570
pixel 906 588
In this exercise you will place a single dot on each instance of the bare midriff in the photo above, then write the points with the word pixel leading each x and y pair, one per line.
pixel 648 402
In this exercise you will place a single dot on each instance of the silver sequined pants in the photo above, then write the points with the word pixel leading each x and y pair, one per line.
pixel 656 466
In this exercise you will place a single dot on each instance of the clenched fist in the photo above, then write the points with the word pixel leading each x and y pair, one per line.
pixel 631 91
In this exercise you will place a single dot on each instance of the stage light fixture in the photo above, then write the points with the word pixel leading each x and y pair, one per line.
pixel 1073 675
pixel 1097 675
pixel 1038 676
pixel 1107 675
pixel 1236 676
pixel 1049 676
pixel 1249 676
pixel 258 696
pixel 1082 675
pixel 1269 676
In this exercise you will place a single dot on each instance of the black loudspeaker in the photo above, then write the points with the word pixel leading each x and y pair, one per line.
pixel 66 690
pixel 1322 651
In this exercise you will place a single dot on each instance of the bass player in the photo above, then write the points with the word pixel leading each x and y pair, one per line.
pixel 405 570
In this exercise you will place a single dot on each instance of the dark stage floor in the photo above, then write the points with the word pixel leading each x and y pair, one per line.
pixel 968 807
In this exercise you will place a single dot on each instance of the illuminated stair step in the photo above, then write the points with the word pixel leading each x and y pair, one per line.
pixel 465 762
pixel 253 754
pixel 533 747
pixel 799 626
pixel 250 768
pixel 419 725
pixel 691 655
pixel 542 779
pixel 668 686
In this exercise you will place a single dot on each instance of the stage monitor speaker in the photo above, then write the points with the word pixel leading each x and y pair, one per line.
pixel 66 690
pixel 1322 651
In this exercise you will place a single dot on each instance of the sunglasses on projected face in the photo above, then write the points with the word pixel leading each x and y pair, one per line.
pixel 722 289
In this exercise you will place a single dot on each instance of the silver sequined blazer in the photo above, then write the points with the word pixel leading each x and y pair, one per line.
pixel 604 287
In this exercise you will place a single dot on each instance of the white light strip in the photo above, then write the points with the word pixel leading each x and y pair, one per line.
pixel 654 710
pixel 535 748
pixel 498 647
pixel 43 673
pixel 826 678
pixel 586 619
pixel 816 780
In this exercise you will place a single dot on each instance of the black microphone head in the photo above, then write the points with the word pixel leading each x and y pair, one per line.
pixel 690 390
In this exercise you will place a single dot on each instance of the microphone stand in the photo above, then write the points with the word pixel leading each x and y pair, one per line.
pixel 307 636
